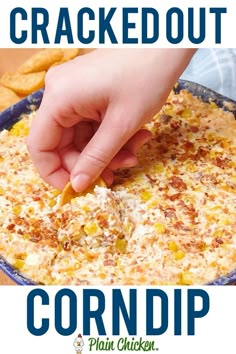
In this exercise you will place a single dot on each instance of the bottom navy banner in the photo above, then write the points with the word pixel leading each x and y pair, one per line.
pixel 113 319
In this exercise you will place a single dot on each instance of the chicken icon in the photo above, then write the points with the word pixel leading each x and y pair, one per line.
pixel 78 344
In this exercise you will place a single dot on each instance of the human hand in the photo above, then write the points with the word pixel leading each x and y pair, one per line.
pixel 90 119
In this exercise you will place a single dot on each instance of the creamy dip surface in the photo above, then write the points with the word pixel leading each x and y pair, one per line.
pixel 170 220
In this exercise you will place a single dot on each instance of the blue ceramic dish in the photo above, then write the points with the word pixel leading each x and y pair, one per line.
pixel 32 102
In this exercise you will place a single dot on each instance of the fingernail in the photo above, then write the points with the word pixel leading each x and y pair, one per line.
pixel 80 182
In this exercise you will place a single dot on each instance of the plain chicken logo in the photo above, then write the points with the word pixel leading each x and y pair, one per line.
pixel 78 344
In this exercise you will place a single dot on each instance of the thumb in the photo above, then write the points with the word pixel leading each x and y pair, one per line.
pixel 111 135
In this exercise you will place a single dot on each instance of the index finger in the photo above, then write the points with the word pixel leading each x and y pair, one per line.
pixel 44 137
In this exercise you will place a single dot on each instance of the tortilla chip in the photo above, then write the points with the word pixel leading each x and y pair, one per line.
pixel 58 63
pixel 41 61
pixel 23 84
pixel 69 193
pixel 7 98
pixel 70 53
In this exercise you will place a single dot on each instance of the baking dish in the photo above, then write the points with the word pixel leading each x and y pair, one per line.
pixel 32 102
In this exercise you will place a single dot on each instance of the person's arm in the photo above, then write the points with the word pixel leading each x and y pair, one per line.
pixel 90 119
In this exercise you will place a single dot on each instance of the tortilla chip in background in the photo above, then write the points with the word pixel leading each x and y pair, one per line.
pixel 23 84
pixel 41 61
pixel 7 98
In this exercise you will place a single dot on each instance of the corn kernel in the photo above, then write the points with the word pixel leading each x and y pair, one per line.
pixel 145 196
pixel 213 105
pixel 19 263
pixel 224 221
pixel 233 179
pixel 186 278
pixel 2 192
pixel 56 192
pixel 169 110
pixel 153 203
pixel 210 137
pixel 30 210
pixel 65 261
pixel 128 227
pixel 142 279
pixel 121 245
pixel 172 246
pixel 160 228
pixel 186 113
pixel 194 121
pixel 90 256
pixel 218 233
pixel 91 228
pixel 226 144
pixel 102 275
pixel 213 264
pixel 213 154
pixel 52 202
pixel 159 168
pixel 85 208
pixel 190 167
pixel 16 209
pixel 179 255
pixel 19 129
pixel 41 204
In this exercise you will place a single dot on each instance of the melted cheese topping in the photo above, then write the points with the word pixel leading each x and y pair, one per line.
pixel 170 220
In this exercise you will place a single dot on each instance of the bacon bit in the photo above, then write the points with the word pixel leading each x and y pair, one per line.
pixel 163 149
pixel 176 100
pixel 102 220
pixel 66 246
pixel 179 225
pixel 64 218
pixel 178 183
pixel 183 157
pixel 35 238
pixel 201 152
pixel 194 129
pixel 170 213
pixel 109 262
pixel 151 179
pixel 208 179
pixel 186 229
pixel 165 118
pixel 36 198
pixel 221 162
pixel 188 210
pixel 21 221
pixel 20 256
pixel 175 125
pixel 194 246
pixel 11 227
pixel 173 197
pixel 159 138
pixel 217 242
pixel 139 269
pixel 167 138
pixel 188 145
